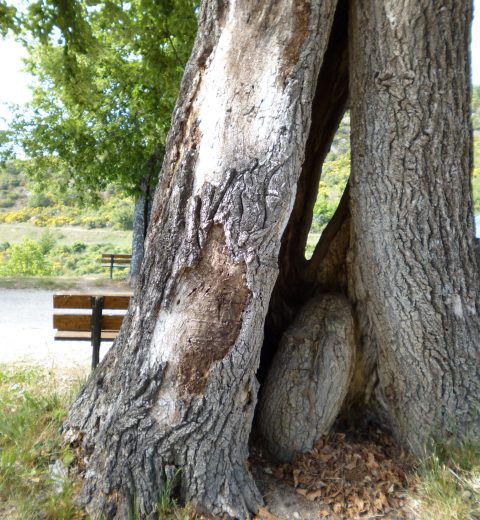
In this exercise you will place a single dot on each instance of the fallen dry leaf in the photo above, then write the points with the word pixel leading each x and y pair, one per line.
pixel 264 514
pixel 313 495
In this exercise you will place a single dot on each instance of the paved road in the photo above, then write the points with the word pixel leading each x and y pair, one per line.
pixel 26 333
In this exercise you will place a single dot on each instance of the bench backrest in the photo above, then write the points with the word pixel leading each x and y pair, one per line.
pixel 82 321
pixel 117 259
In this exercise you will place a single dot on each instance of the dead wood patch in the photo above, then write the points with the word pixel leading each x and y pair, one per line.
pixel 214 295
pixel 300 26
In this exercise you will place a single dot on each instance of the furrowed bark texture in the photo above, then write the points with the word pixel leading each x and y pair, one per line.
pixel 178 389
pixel 309 377
pixel 296 282
pixel 414 272
pixel 141 217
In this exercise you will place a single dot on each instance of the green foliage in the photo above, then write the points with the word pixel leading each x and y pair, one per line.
pixel 7 17
pixel 104 90
pixel 122 218
pixel 44 211
pixel 476 108
pixel 78 247
pixel 45 257
pixel 335 175
pixel 47 242
pixel 25 259
pixel 40 200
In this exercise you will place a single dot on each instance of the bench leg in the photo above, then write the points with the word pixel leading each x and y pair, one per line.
pixel 97 309
pixel 111 267
pixel 95 356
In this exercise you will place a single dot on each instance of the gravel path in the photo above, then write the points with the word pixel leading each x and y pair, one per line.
pixel 26 333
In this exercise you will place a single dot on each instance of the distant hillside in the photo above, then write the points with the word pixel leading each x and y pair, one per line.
pixel 13 191
pixel 19 202
pixel 22 201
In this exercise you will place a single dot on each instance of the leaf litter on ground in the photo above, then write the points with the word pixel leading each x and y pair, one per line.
pixel 351 476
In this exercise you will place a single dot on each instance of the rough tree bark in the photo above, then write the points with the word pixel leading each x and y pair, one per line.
pixel 178 389
pixel 414 272
pixel 401 244
pixel 224 268
pixel 142 212
pixel 141 218
pixel 313 364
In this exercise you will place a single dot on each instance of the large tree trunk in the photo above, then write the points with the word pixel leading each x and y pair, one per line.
pixel 400 244
pixel 415 276
pixel 263 93
pixel 178 389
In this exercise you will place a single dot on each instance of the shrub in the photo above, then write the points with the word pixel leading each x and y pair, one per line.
pixel 122 218
pixel 25 259
pixel 7 200
pixel 78 247
pixel 93 222
pixel 47 242
pixel 4 181
pixel 39 200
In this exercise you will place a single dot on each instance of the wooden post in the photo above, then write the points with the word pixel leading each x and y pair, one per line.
pixel 111 266
pixel 97 308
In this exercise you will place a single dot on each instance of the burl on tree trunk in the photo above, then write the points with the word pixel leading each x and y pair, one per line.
pixel 225 274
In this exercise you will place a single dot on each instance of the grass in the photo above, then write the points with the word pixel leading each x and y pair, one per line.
pixel 448 483
pixel 31 413
pixel 28 251
pixel 14 234
pixel 33 407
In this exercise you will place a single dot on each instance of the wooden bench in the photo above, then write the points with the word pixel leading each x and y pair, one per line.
pixel 115 260
pixel 89 322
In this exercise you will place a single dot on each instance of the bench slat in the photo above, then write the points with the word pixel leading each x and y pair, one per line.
pixel 79 322
pixel 84 301
pixel 72 301
pixel 122 261
pixel 75 335
pixel 116 301
pixel 106 256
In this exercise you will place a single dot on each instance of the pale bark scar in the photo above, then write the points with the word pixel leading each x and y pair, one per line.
pixel 214 295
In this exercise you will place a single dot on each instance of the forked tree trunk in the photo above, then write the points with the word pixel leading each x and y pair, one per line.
pixel 414 272
pixel 178 389
pixel 225 247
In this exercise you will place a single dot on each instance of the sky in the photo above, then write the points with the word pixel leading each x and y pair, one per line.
pixel 14 81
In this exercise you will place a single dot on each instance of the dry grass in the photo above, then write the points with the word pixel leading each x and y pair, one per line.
pixel 14 233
